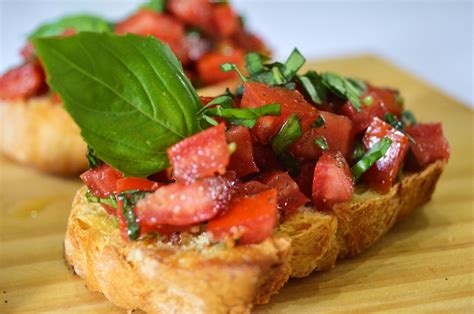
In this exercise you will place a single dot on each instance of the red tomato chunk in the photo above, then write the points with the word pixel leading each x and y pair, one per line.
pixel 337 130
pixel 201 155
pixel 249 188
pixel 383 173
pixel 252 219
pixel 291 101
pixel 193 12
pixel 132 183
pixel 23 82
pixel 361 119
pixel 430 144
pixel 225 20
pixel 180 204
pixel 208 67
pixel 102 181
pixel 242 160
pixel 289 195
pixel 332 181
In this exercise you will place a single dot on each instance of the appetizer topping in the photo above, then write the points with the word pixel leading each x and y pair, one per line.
pixel 22 82
pixel 234 165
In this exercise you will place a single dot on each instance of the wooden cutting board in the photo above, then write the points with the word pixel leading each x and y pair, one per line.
pixel 425 263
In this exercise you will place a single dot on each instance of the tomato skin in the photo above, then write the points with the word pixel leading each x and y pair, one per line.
pixel 166 28
pixel 23 82
pixel 251 218
pixel 180 204
pixel 249 188
pixel 289 196
pixel 225 20
pixel 361 119
pixel 208 67
pixel 291 101
pixel 305 178
pixel 242 161
pixel 332 181
pixel 102 181
pixel 338 132
pixel 196 13
pixel 265 158
pixel 132 183
pixel 430 144
pixel 201 155
pixel 383 173
pixel 388 97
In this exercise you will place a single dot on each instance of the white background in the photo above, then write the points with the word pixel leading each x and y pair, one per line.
pixel 432 39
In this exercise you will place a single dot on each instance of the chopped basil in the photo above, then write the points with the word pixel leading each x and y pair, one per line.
pixel 374 154
pixel 129 199
pixel 290 163
pixel 368 100
pixel 288 134
pixel 322 143
pixel 294 62
pixel 254 63
pixel 408 118
pixel 319 122
pixel 359 151
pixel 110 201
pixel 278 76
pixel 227 67
pixel 93 161
pixel 156 5
pixel 359 84
pixel 313 86
pixel 391 119
pixel 343 88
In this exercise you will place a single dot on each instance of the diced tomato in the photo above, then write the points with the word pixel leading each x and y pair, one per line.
pixel 332 181
pixel 168 29
pixel 305 178
pixel 429 143
pixel 289 196
pixel 28 52
pixel 265 157
pixel 179 204
pixel 196 13
pixel 249 42
pixel 201 155
pixel 361 119
pixel 102 181
pixel 249 188
pixel 132 183
pixel 23 82
pixel 164 176
pixel 291 101
pixel 389 98
pixel 337 130
pixel 383 173
pixel 252 219
pixel 242 161
pixel 208 67
pixel 225 19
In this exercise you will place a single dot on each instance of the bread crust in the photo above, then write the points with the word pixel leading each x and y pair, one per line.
pixel 39 133
pixel 166 279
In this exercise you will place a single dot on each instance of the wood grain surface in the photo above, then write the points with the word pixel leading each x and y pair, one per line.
pixel 424 264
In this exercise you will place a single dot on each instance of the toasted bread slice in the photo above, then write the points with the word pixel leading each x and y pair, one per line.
pixel 40 133
pixel 201 278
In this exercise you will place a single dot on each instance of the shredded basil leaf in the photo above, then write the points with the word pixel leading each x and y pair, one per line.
pixel 130 199
pixel 375 153
pixel 359 151
pixel 227 67
pixel 368 100
pixel 92 160
pixel 111 200
pixel 391 119
pixel 343 88
pixel 313 86
pixel 319 122
pixel 408 118
pixel 322 143
pixel 294 62
pixel 254 63
pixel 288 134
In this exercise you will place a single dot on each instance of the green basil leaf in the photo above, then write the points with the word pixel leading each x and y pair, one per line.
pixel 314 87
pixel 319 122
pixel 358 84
pixel 288 134
pixel 294 62
pixel 156 5
pixel 343 88
pixel 129 200
pixel 92 159
pixel 408 118
pixel 110 201
pixel 227 67
pixel 375 153
pixel 322 143
pixel 359 151
pixel 128 94
pixel 254 63
pixel 243 116
pixel 391 119
pixel 80 23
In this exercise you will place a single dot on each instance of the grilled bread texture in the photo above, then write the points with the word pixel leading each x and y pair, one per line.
pixel 201 277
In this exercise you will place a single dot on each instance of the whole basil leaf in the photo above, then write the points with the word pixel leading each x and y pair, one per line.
pixel 80 23
pixel 128 94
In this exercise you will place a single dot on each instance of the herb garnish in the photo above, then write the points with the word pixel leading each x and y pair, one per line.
pixel 128 94
pixel 129 199
pixel 79 23
pixel 92 160
pixel 391 119
pixel 375 153
pixel 322 143
pixel 408 118
pixel 110 201
pixel 359 150
pixel 288 134
pixel 319 122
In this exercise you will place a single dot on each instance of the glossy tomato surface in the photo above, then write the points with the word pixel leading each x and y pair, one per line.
pixel 291 101
pixel 242 161
pixel 250 219
pixel 429 143
pixel 102 180
pixel 180 204
pixel 332 181
pixel 201 155
pixel 383 173
pixel 132 183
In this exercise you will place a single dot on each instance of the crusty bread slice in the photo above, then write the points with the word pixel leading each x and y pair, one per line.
pixel 199 278
pixel 40 133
